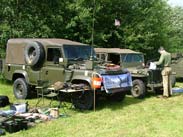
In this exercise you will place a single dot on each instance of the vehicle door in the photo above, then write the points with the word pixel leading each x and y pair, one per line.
pixel 177 65
pixel 53 69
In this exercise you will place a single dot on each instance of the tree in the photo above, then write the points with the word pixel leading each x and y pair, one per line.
pixel 143 22
pixel 32 19
pixel 175 33
pixel 148 27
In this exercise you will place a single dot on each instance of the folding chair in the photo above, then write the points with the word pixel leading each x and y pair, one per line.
pixel 55 90
pixel 43 91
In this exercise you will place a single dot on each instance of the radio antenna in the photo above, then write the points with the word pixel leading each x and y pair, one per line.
pixel 93 22
pixel 93 26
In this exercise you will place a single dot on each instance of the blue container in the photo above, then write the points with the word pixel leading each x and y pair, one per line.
pixel 177 90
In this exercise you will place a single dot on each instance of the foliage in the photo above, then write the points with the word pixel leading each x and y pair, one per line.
pixel 32 19
pixel 175 33
pixel 144 23
pixel 147 30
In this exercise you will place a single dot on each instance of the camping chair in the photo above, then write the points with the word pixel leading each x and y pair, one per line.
pixel 55 88
pixel 43 91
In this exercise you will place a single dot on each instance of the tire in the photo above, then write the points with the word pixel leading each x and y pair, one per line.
pixel 138 89
pixel 118 97
pixel 20 88
pixel 173 80
pixel 83 100
pixel 34 54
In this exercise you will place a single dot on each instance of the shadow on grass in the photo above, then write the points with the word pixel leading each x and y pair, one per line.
pixel 105 103
pixel 176 95
pixel 129 100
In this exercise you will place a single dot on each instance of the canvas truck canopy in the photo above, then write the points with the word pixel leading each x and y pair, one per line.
pixel 15 47
pixel 115 50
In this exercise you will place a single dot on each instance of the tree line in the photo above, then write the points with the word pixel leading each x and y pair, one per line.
pixel 144 24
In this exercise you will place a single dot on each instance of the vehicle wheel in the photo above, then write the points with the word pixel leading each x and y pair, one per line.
pixel 119 96
pixel 173 80
pixel 20 88
pixel 138 89
pixel 83 100
pixel 34 54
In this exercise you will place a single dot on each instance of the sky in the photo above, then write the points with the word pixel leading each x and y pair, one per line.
pixel 176 2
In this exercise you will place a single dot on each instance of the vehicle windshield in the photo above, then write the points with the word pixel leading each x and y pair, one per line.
pixel 75 52
pixel 132 58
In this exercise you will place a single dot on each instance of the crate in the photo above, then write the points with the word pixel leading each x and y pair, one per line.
pixel 14 124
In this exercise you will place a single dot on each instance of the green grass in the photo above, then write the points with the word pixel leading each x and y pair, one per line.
pixel 149 117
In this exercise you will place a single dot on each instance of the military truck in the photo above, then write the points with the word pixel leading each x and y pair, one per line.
pixel 177 64
pixel 143 78
pixel 29 61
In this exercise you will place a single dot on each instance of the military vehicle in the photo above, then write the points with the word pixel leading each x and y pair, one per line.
pixel 143 78
pixel 29 61
pixel 177 64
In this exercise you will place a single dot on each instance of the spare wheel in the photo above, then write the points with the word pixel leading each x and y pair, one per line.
pixel 34 54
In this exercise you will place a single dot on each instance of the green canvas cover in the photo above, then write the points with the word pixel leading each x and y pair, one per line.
pixel 15 47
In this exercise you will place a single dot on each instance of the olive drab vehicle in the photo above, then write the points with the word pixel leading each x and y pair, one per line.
pixel 177 64
pixel 143 78
pixel 29 61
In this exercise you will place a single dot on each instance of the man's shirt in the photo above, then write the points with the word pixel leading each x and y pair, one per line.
pixel 165 59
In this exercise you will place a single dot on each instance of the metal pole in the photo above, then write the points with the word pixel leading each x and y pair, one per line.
pixel 93 23
pixel 94 100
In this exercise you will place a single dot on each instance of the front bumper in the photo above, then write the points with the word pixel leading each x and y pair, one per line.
pixel 116 90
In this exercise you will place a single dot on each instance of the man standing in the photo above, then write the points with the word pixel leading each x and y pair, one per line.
pixel 165 61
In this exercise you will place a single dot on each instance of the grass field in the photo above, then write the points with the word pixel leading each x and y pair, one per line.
pixel 149 117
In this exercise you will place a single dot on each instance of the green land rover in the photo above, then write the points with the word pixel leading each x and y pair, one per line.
pixel 29 61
